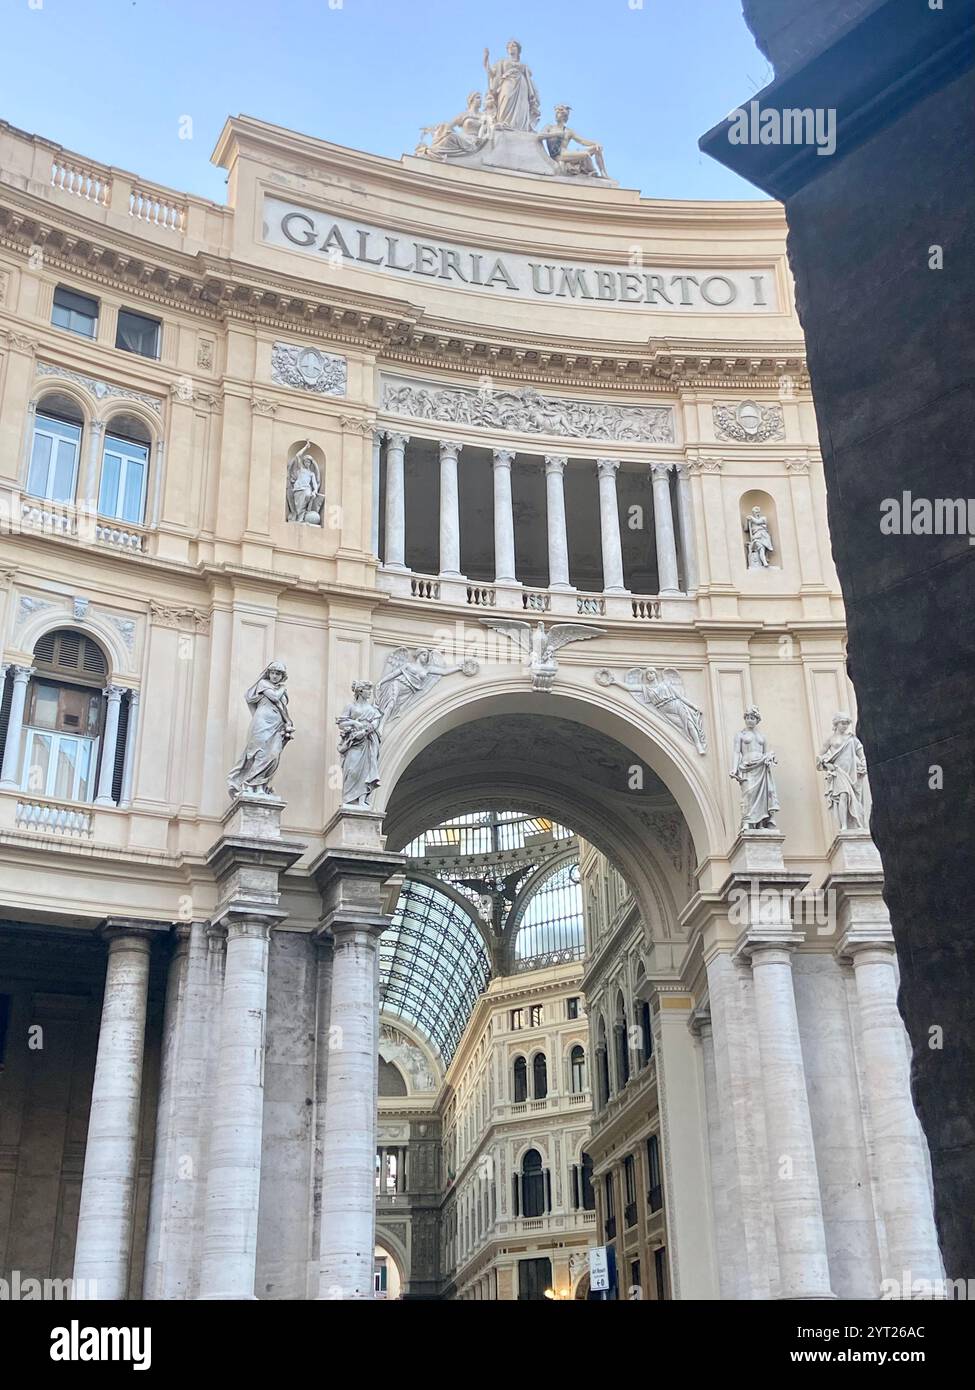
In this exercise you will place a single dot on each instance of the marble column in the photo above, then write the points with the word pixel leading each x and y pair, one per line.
pixel 793 1178
pixel 237 1117
pixel 558 541
pixel 131 731
pixel 349 1159
pixel 898 1145
pixel 395 556
pixel 377 448
pixel 15 728
pixel 449 511
pixel 106 770
pixel 504 521
pixel 688 536
pixel 107 1206
pixel 609 527
pixel 89 492
pixel 663 525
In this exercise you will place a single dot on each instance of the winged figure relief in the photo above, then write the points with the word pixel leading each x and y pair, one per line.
pixel 662 690
pixel 540 644
pixel 408 675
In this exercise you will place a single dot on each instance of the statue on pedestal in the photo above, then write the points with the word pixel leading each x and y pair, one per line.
pixel 270 729
pixel 842 759
pixel 759 540
pixel 751 767
pixel 557 138
pixel 359 744
pixel 515 100
pixel 304 488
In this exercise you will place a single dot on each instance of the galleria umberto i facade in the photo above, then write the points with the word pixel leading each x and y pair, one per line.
pixel 531 462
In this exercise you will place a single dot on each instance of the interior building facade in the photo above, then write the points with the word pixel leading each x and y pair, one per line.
pixel 531 461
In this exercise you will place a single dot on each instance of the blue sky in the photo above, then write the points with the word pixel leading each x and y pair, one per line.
pixel 112 79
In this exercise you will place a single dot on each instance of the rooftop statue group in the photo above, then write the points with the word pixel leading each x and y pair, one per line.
pixel 512 107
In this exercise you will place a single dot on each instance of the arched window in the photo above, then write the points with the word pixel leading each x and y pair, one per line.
pixel 577 1069
pixel 520 1092
pixel 602 1065
pixel 588 1192
pixel 532 1184
pixel 646 1031
pixel 55 448
pixel 125 470
pixel 622 1042
pixel 70 726
pixel 539 1076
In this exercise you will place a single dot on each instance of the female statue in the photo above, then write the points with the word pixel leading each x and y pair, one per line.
pixel 843 761
pixel 515 100
pixel 270 729
pixel 751 767
pixel 359 747
pixel 759 544
pixel 465 134
pixel 304 488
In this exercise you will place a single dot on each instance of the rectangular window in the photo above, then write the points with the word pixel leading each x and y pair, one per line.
pixel 654 1193
pixel 124 470
pixel 75 312
pixel 517 1019
pixel 629 1178
pixel 534 1277
pixel 572 1007
pixel 660 1273
pixel 60 766
pixel 54 454
pixel 536 1016
pixel 137 333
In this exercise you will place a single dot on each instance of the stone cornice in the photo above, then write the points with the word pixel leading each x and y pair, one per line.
pixel 222 291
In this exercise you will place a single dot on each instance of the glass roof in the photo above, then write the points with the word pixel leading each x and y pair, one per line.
pixel 550 930
pixel 433 964
pixel 485 832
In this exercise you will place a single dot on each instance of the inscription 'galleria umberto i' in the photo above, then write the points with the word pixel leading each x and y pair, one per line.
pixel 343 241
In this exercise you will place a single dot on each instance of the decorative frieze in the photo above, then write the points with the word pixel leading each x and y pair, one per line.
pixel 165 616
pixel 527 411
pixel 101 390
pixel 747 422
pixel 309 369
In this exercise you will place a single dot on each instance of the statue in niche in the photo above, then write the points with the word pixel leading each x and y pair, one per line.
pixel 751 767
pixel 758 543
pixel 512 92
pixel 540 644
pixel 359 744
pixel 557 138
pixel 270 729
pixel 842 759
pixel 465 134
pixel 408 675
pixel 305 500
pixel 663 691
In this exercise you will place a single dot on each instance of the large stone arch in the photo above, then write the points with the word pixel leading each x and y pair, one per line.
pixel 416 793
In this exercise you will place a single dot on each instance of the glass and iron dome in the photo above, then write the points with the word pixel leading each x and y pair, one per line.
pixel 435 958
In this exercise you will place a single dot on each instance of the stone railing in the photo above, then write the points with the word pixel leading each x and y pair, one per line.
pixel 54 817
pixel 481 596
pixel 81 179
pixel 536 600
pixel 121 537
pixel 157 207
pixel 422 586
pixel 512 598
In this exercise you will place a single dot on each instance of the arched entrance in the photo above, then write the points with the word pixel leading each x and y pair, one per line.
pixel 631 792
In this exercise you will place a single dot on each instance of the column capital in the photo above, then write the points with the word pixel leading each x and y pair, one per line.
pixel 22 674
pixel 119 931
pixel 855 947
pixel 555 463
pixel 378 435
pixel 659 469
pixel 397 440
pixel 607 467
pixel 504 458
pixel 682 468
pixel 114 693
pixel 450 448
pixel 96 428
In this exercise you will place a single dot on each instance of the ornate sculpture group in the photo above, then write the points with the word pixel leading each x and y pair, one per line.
pixel 512 104
pixel 409 674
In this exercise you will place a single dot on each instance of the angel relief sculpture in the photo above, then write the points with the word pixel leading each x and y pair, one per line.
pixel 663 691
pixel 408 675
pixel 540 644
